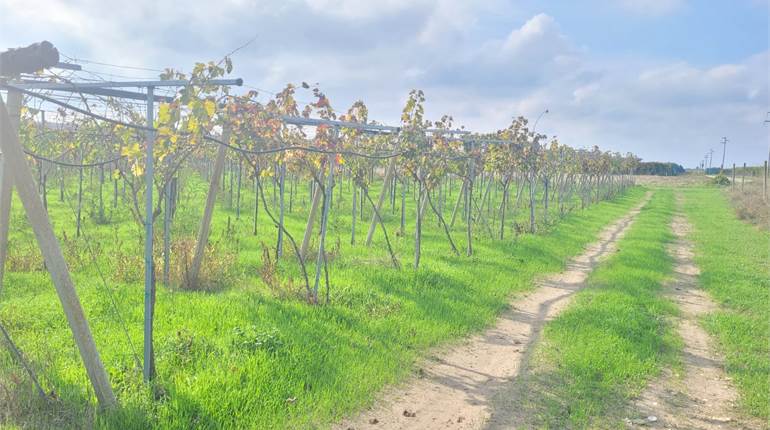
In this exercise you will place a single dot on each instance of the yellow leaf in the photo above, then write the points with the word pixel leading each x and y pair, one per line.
pixel 164 131
pixel 164 115
pixel 192 125
pixel 211 107
pixel 131 151
pixel 136 169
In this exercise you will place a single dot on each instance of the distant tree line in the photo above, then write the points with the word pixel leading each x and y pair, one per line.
pixel 659 168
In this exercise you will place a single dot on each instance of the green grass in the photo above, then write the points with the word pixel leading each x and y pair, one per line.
pixel 734 258
pixel 609 342
pixel 241 356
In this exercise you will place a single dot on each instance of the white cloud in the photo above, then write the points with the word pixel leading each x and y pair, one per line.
pixel 356 9
pixel 448 21
pixel 538 27
pixel 583 93
pixel 651 7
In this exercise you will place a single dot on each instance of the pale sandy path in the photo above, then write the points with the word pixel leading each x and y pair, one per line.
pixel 454 390
pixel 702 397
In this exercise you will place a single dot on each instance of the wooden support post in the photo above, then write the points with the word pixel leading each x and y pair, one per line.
pixel 457 205
pixel 383 193
pixel 393 185
pixel 733 183
pixel 208 211
pixel 53 257
pixel 484 197
pixel 310 222
pixel 743 177
pixel 764 183
pixel 6 180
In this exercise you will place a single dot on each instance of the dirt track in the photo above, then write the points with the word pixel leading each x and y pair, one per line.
pixel 702 397
pixel 455 390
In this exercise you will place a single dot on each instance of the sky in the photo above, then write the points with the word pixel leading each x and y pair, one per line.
pixel 664 79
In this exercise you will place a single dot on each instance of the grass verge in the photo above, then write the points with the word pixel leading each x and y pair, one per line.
pixel 610 341
pixel 733 258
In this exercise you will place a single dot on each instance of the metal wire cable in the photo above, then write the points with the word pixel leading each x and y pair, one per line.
pixel 205 137
pixel 22 361
pixel 66 164
pixel 103 279
pixel 303 148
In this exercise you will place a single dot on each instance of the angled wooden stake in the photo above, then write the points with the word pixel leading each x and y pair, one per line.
pixel 208 211
pixel 386 182
pixel 54 260
pixel 6 181
pixel 310 222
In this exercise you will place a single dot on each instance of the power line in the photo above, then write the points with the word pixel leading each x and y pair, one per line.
pixel 117 66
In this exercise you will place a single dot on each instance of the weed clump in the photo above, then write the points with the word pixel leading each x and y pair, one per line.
pixel 217 271
pixel 24 257
pixel 269 274
pixel 720 179
pixel 251 339
pixel 182 349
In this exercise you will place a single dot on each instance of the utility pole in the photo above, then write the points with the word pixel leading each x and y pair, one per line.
pixel 724 151
pixel 767 121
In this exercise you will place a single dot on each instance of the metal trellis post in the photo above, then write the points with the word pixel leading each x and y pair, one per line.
pixel 149 275
pixel 281 186
pixel 324 223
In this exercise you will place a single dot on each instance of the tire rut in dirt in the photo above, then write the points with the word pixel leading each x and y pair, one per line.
pixel 457 388
pixel 702 397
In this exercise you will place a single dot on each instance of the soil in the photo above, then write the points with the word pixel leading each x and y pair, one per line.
pixel 700 396
pixel 455 389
